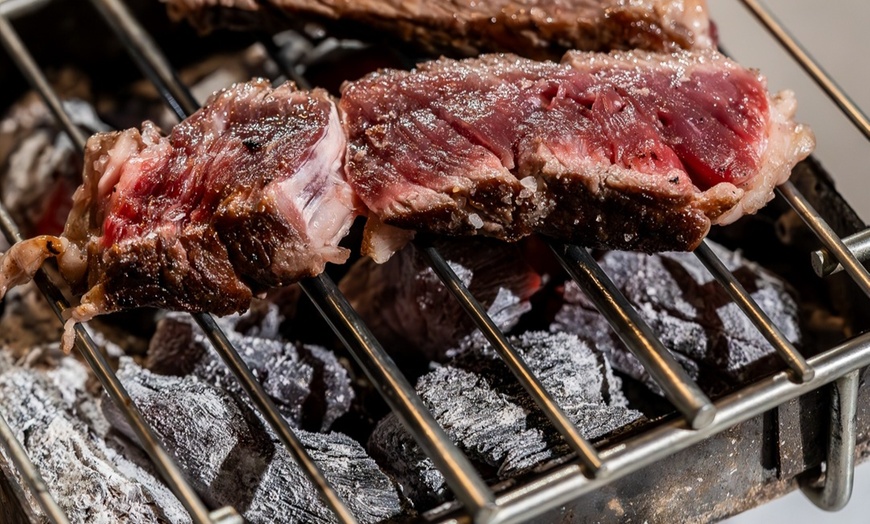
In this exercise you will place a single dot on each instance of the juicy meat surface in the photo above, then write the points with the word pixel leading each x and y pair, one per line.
pixel 246 194
pixel 627 150
pixel 534 28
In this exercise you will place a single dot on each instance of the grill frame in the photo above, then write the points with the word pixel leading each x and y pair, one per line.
pixel 701 417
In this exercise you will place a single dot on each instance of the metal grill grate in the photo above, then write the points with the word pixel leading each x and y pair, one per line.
pixel 595 468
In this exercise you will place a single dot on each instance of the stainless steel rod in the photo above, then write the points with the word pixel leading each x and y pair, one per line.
pixel 277 422
pixel 515 362
pixel 524 503
pixel 679 389
pixel 829 238
pixel 800 370
pixel 824 264
pixel 836 488
pixel 460 475
pixel 25 62
pixel 12 9
pixel 458 472
pixel 27 470
pixel 148 57
pixel 153 63
pixel 95 359
pixel 812 68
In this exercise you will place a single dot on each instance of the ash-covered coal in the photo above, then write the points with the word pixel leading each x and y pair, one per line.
pixel 691 313
pixel 411 312
pixel 492 419
pixel 307 383
pixel 232 459
pixel 39 166
pixel 60 426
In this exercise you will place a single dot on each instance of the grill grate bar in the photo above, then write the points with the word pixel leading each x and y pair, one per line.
pixel 278 423
pixel 812 68
pixel 392 385
pixel 829 238
pixel 800 370
pixel 95 359
pixel 679 389
pixel 515 362
pixel 30 473
pixel 567 483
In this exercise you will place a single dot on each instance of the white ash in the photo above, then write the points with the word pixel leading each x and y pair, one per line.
pixel 492 419
pixel 691 313
pixel 231 458
pixel 307 383
pixel 90 481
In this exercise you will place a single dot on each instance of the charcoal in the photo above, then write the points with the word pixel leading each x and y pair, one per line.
pixel 411 312
pixel 691 313
pixel 491 418
pixel 53 417
pixel 307 383
pixel 40 165
pixel 231 458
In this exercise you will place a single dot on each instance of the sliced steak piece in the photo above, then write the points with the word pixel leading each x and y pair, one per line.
pixel 535 28
pixel 628 150
pixel 692 314
pixel 306 382
pixel 411 312
pixel 245 194
pixel 231 459
pixel 490 417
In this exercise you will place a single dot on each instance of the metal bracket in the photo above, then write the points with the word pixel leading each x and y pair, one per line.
pixel 833 491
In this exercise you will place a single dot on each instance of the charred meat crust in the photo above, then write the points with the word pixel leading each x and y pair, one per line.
pixel 539 29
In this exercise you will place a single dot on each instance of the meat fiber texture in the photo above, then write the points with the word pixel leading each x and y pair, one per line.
pixel 230 457
pixel 489 416
pixel 412 313
pixel 535 28
pixel 691 313
pixel 627 150
pixel 244 195
pixel 61 429
pixel 306 382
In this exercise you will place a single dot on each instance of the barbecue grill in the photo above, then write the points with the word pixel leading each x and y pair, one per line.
pixel 594 477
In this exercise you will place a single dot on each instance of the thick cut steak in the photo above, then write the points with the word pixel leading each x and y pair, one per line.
pixel 534 28
pixel 246 194
pixel 628 150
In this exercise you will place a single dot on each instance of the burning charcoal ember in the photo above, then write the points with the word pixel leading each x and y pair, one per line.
pixel 411 312
pixel 537 28
pixel 232 459
pixel 54 420
pixel 489 416
pixel 27 323
pixel 628 150
pixel 39 167
pixel 691 313
pixel 307 383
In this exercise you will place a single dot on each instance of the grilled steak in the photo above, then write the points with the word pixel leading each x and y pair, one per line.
pixel 412 313
pixel 534 28
pixel 245 194
pixel 492 419
pixel 630 150
pixel 693 316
